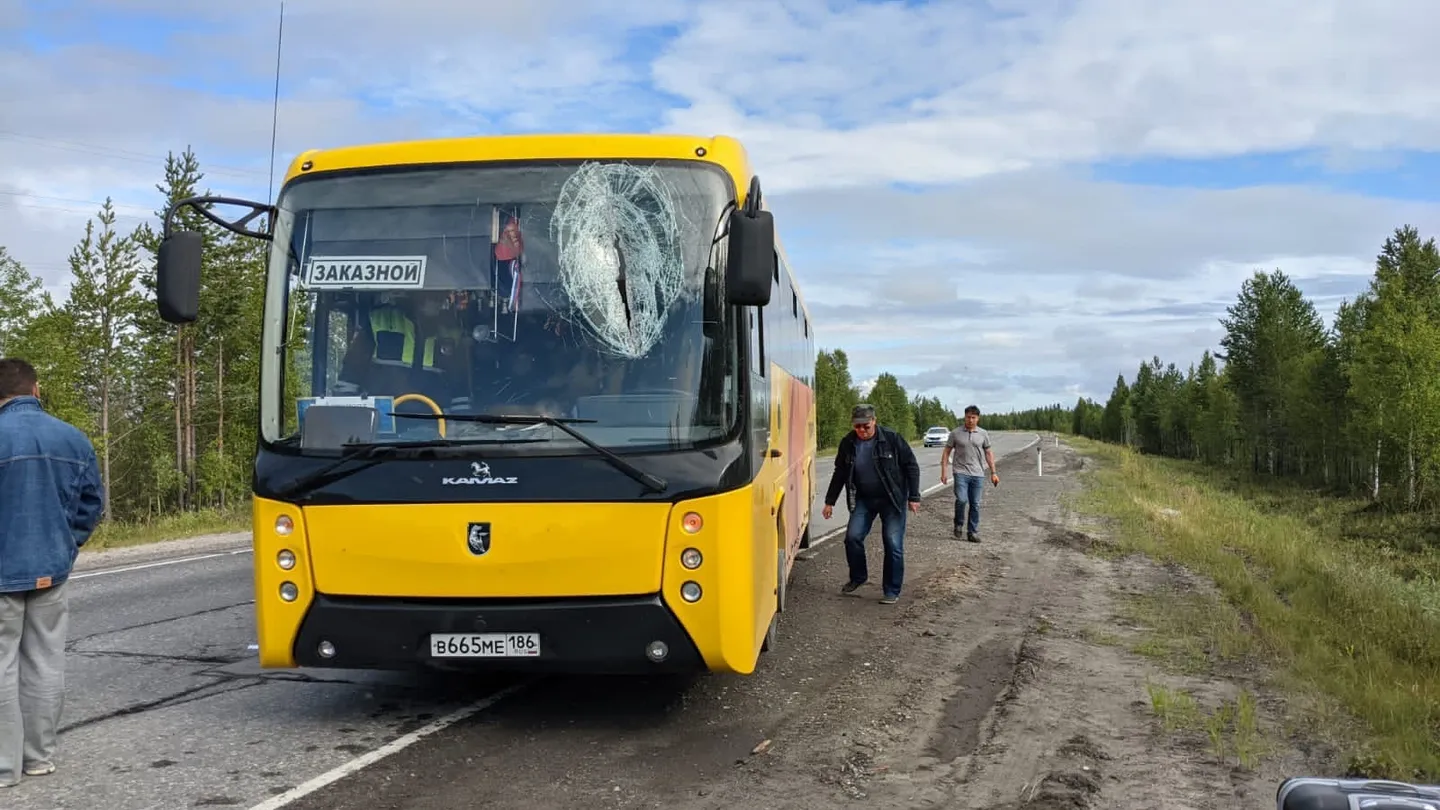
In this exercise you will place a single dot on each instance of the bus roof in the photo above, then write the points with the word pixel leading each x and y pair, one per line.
pixel 722 150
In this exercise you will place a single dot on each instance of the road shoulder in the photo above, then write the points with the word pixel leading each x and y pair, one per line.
pixel 162 550
pixel 1119 698
pixel 1019 685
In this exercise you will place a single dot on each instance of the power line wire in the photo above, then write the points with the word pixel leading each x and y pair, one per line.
pixel 118 153
pixel 118 214
pixel 25 195
pixel 275 110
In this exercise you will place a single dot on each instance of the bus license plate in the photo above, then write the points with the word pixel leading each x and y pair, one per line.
pixel 485 645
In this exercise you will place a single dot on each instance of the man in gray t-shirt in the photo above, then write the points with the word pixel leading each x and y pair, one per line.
pixel 968 450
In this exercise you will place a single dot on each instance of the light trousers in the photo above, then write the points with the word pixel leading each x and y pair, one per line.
pixel 33 627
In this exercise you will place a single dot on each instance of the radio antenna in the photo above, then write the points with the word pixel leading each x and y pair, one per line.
pixel 275 109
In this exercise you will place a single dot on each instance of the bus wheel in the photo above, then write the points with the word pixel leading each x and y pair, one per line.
pixel 783 590
pixel 771 632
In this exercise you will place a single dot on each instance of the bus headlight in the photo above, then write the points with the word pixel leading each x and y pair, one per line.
pixel 690 558
pixel 692 522
pixel 289 592
pixel 285 559
pixel 284 525
pixel 690 592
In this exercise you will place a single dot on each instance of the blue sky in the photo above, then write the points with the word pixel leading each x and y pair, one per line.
pixel 1409 175
pixel 1003 202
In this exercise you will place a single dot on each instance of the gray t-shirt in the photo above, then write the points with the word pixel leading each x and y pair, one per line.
pixel 967 450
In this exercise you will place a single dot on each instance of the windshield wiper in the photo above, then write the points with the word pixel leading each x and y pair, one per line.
pixel 653 482
pixel 373 453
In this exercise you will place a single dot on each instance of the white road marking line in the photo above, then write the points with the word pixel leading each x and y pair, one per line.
pixel 807 553
pixel 159 563
pixel 394 746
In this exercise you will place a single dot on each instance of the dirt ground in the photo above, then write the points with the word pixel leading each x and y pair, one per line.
pixel 1005 683
pixel 1002 679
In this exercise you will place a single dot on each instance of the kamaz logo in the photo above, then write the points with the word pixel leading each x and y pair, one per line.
pixel 479 474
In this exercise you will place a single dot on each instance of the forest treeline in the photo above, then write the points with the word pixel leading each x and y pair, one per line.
pixel 1351 408
pixel 836 393
pixel 173 411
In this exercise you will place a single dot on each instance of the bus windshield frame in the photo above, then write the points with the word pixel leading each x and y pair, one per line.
pixel 617 319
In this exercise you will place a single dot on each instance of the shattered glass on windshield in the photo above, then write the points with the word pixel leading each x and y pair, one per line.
pixel 585 290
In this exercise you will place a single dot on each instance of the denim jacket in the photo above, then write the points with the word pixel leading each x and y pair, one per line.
pixel 49 496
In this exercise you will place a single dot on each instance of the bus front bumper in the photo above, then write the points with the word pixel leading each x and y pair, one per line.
pixel 583 635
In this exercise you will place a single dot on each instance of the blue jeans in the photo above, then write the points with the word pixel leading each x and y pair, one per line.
pixel 967 491
pixel 892 533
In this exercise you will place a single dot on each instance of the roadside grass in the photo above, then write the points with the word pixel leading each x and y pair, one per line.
pixel 1343 600
pixel 1192 633
pixel 1231 728
pixel 115 534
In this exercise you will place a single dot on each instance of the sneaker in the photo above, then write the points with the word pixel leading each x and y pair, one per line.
pixel 974 538
pixel 889 600
pixel 851 587
pixel 40 769
pixel 959 534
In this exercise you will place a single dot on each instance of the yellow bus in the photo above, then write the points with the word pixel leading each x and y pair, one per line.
pixel 539 402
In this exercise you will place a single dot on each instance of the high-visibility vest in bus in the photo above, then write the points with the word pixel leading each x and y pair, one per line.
pixel 394 335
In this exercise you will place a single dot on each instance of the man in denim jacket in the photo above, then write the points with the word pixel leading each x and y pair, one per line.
pixel 49 504
pixel 881 478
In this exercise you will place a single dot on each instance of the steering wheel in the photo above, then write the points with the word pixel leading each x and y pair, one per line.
pixel 421 398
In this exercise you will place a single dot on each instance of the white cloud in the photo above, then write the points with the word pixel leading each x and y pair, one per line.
pixel 944 92
pixel 1011 278
pixel 1090 282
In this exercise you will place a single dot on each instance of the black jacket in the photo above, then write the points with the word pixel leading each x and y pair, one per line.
pixel 899 470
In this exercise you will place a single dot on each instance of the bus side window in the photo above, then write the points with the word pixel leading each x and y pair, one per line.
pixel 757 341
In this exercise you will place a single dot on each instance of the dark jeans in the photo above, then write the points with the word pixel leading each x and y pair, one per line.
pixel 892 534
pixel 967 491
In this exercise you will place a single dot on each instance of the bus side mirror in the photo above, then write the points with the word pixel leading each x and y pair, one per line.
pixel 177 277
pixel 750 263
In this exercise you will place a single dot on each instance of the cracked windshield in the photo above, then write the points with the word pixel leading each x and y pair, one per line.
pixel 579 291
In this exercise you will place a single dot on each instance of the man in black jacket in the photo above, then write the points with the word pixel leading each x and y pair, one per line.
pixel 881 478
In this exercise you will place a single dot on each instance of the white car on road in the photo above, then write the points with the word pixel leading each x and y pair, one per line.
pixel 936 436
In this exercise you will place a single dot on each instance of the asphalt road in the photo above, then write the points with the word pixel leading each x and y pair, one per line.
pixel 166 708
